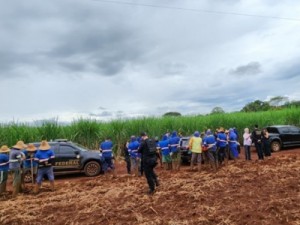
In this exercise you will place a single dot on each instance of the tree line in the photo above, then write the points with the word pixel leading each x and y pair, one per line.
pixel 278 102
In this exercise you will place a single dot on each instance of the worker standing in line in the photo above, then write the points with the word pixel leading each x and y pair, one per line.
pixel 174 150
pixel 163 146
pixel 135 157
pixel 45 158
pixel 106 148
pixel 16 156
pixel 195 146
pixel 29 164
pixel 233 143
pixel 4 167
pixel 222 144
pixel 210 143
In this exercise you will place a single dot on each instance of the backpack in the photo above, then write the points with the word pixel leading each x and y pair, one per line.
pixel 151 147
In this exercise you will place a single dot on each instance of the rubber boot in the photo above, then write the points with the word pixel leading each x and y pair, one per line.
pixel 36 188
pixel 52 185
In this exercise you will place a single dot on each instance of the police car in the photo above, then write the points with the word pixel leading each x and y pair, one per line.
pixel 71 157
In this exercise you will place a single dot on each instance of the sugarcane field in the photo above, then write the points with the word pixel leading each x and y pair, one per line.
pixel 239 193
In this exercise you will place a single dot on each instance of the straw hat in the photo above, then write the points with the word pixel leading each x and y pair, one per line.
pixel 20 145
pixel 31 148
pixel 221 129
pixel 4 149
pixel 44 146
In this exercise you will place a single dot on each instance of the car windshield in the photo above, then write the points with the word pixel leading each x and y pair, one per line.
pixel 184 142
pixel 82 148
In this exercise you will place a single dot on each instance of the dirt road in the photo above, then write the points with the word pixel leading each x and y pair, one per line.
pixel 240 193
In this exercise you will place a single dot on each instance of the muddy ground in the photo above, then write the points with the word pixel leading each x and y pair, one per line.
pixel 240 193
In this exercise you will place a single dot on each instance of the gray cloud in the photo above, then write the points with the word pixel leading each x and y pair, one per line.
pixel 252 68
pixel 102 114
pixel 80 55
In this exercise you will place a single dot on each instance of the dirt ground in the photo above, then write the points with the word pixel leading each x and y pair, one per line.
pixel 240 193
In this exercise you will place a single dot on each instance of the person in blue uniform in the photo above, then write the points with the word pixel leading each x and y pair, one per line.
pixel 233 143
pixel 163 146
pixel 174 150
pixel 210 143
pixel 45 158
pixel 4 167
pixel 16 156
pixel 106 148
pixel 29 164
pixel 222 145
pixel 135 157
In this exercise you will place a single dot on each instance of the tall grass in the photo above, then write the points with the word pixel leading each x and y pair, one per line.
pixel 91 132
pixel 85 132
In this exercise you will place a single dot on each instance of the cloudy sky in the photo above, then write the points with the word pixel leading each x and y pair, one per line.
pixel 68 59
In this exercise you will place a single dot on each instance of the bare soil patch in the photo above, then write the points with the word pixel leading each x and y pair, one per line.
pixel 240 193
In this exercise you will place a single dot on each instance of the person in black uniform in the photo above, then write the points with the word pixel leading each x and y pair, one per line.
pixel 148 152
pixel 256 139
pixel 127 157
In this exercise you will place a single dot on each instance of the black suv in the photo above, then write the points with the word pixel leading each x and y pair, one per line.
pixel 283 136
pixel 71 157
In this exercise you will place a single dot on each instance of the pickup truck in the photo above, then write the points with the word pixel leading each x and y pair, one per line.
pixel 282 136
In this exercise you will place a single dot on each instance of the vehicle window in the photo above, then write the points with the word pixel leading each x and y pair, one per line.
pixel 284 130
pixel 66 150
pixel 272 130
pixel 82 148
pixel 184 142
pixel 54 147
pixel 294 130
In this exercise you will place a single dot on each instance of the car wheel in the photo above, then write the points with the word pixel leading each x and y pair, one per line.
pixel 27 177
pixel 275 146
pixel 92 168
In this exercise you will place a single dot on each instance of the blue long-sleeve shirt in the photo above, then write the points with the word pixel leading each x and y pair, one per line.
pixel 106 148
pixel 133 149
pixel 4 162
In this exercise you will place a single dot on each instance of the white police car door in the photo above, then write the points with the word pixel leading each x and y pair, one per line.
pixel 67 158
